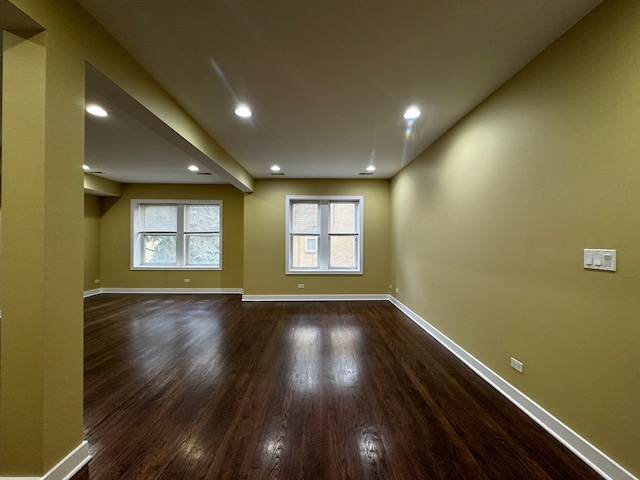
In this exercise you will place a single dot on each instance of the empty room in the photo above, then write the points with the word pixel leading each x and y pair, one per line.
pixel 319 240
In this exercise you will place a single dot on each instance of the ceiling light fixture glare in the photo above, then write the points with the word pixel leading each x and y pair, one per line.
pixel 275 168
pixel 96 110
pixel 371 168
pixel 412 113
pixel 243 111
pixel 192 168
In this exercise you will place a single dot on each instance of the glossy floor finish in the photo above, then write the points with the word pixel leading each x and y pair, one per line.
pixel 207 387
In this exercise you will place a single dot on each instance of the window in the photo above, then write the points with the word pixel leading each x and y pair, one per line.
pixel 324 234
pixel 176 234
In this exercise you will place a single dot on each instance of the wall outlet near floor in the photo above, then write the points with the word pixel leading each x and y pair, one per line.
pixel 390 286
pixel 301 285
pixel 517 364
pixel 187 280
pixel 97 280
pixel 397 290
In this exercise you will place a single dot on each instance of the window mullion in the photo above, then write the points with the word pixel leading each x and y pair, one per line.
pixel 180 240
pixel 323 247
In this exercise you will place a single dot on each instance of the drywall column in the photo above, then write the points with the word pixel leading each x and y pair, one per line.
pixel 41 256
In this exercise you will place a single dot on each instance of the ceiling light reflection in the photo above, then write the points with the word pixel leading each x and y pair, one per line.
pixel 193 450
pixel 193 168
pixel 274 448
pixel 372 444
pixel 305 359
pixel 344 361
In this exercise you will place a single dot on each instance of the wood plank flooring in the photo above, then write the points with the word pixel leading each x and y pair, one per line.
pixel 208 387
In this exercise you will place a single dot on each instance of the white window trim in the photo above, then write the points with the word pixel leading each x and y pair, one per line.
pixel 323 244
pixel 135 246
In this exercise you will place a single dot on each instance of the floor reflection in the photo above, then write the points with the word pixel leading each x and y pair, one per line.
pixel 333 357
pixel 156 347
pixel 344 356
pixel 305 352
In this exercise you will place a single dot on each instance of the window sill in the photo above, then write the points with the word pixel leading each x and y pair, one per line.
pixel 175 267
pixel 324 272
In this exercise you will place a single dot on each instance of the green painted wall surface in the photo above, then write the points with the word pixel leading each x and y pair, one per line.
pixel 115 243
pixel 91 241
pixel 95 185
pixel 42 265
pixel 490 223
pixel 0 222
pixel 264 240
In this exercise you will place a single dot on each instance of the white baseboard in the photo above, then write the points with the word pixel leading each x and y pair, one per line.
pixel 165 290
pixel 66 468
pixel 313 298
pixel 91 293
pixel 591 455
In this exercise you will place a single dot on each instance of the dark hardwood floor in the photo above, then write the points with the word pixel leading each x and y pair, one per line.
pixel 207 387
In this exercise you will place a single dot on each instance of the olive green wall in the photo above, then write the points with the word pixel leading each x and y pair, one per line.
pixel 0 219
pixel 41 263
pixel 91 241
pixel 490 223
pixel 115 239
pixel 264 239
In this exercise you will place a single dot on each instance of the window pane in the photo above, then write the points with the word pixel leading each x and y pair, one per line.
pixel 343 252
pixel 311 245
pixel 342 218
pixel 160 249
pixel 203 250
pixel 304 218
pixel 203 218
pixel 300 257
pixel 160 218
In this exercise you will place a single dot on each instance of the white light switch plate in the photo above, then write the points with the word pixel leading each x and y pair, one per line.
pixel 600 259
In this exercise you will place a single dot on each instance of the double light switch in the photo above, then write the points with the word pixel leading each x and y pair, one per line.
pixel 600 259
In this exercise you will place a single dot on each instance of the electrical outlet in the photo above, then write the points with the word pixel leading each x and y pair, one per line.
pixel 519 366
pixel 187 280
pixel 96 281
pixel 390 286
pixel 397 290
pixel 301 285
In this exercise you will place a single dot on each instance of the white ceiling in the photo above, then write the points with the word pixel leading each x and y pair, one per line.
pixel 328 81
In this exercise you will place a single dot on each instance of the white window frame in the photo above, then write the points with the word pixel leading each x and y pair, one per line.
pixel 137 246
pixel 323 237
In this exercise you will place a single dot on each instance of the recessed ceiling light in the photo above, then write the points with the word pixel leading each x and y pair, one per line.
pixel 275 168
pixel 371 168
pixel 243 111
pixel 86 168
pixel 192 168
pixel 96 110
pixel 412 113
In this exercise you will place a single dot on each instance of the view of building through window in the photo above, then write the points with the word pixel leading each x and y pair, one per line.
pixel 324 234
